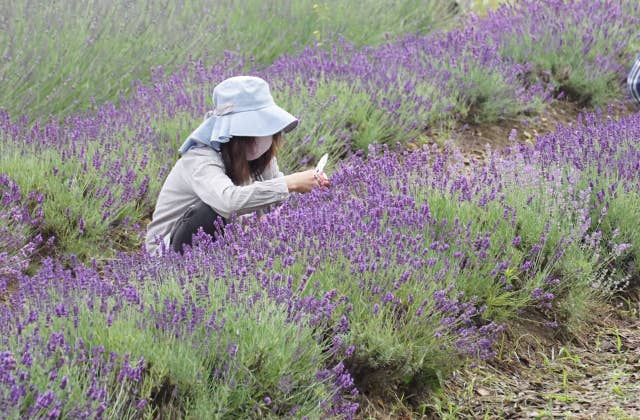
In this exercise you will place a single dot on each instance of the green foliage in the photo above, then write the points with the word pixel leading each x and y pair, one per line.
pixel 493 99
pixel 546 214
pixel 76 212
pixel 479 7
pixel 191 374
pixel 60 57
pixel 339 118
pixel 569 52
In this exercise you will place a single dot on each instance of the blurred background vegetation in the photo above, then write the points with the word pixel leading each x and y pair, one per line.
pixel 62 57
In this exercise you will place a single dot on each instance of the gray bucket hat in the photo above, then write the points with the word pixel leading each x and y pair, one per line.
pixel 243 106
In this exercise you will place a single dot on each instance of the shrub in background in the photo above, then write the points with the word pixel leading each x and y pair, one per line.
pixel 580 48
pixel 67 57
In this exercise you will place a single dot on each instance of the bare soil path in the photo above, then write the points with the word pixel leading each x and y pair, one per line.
pixel 473 139
pixel 592 376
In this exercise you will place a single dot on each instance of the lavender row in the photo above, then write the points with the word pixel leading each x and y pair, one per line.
pixel 100 172
pixel 580 48
pixel 155 339
pixel 407 266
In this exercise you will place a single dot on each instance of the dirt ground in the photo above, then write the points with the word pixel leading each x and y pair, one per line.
pixel 472 140
pixel 592 376
pixel 538 375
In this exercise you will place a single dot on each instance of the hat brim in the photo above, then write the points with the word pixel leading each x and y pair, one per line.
pixel 261 122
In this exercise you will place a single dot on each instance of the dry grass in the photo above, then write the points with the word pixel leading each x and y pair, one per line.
pixel 595 374
pixel 542 373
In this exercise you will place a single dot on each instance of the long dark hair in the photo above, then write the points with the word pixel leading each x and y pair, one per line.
pixel 236 165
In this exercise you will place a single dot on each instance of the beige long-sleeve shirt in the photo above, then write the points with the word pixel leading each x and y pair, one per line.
pixel 199 175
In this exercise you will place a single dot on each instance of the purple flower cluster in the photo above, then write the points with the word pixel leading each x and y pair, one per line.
pixel 20 217
pixel 579 48
pixel 420 82
pixel 67 333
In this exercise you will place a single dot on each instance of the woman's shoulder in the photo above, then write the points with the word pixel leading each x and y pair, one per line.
pixel 199 157
pixel 203 153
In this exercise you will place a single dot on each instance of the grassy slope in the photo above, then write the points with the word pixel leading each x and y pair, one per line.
pixel 62 57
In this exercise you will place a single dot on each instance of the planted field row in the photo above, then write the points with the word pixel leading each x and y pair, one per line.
pixel 99 173
pixel 405 268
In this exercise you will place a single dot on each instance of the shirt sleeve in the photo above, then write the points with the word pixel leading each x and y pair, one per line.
pixel 212 185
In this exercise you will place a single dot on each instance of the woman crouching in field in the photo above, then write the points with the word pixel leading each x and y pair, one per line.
pixel 228 166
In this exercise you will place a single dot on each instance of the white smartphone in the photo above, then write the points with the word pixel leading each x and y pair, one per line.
pixel 321 163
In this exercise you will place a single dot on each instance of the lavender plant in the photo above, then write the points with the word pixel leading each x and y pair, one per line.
pixel 67 57
pixel 88 191
pixel 407 267
pixel 101 171
pixel 579 48
pixel 173 344
pixel 20 218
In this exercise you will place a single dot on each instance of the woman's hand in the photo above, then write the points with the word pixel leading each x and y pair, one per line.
pixel 306 181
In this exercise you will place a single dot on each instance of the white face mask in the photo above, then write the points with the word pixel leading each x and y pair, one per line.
pixel 259 147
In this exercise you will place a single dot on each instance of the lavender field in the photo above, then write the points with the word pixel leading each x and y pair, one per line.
pixel 410 267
